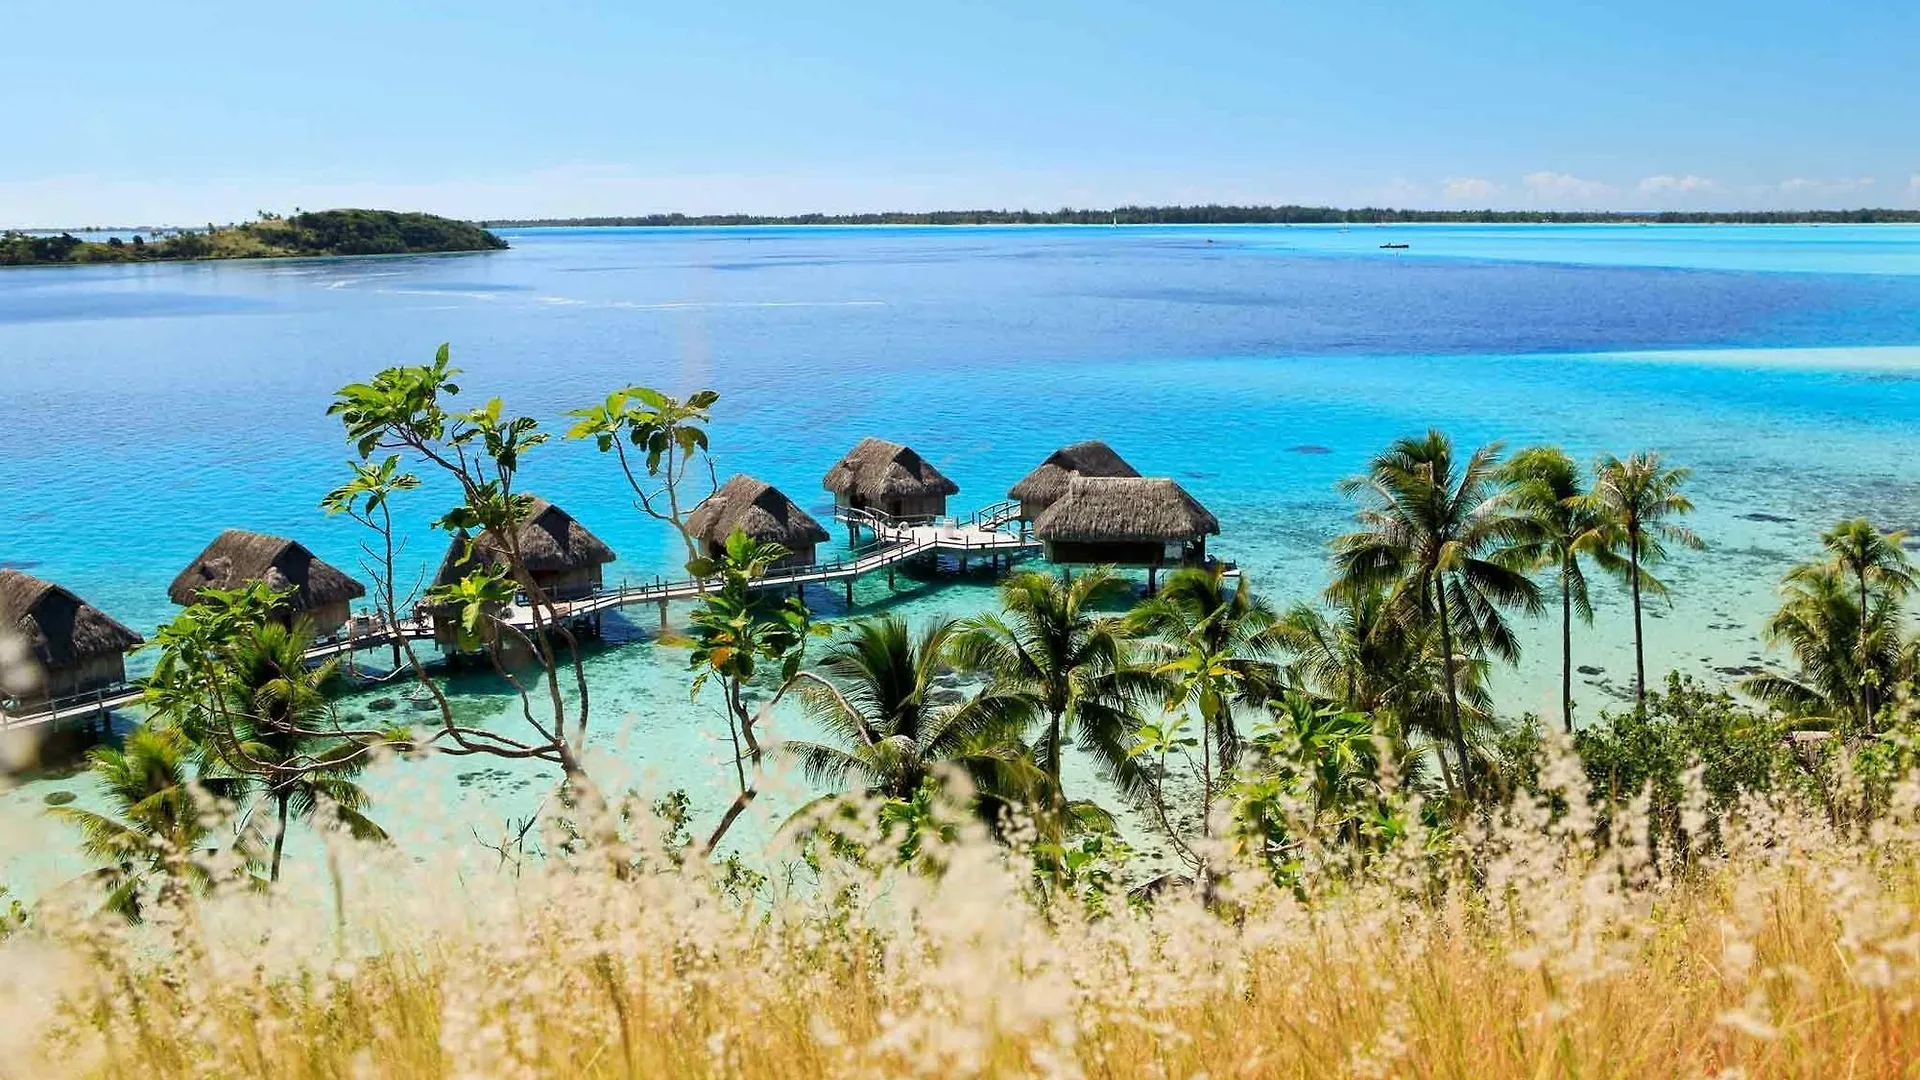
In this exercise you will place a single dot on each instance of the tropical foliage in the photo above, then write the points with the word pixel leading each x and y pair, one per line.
pixel 298 773
pixel 1844 622
pixel 1062 671
pixel 739 631
pixel 155 840
pixel 1564 528
pixel 325 232
pixel 1437 535
pixel 1638 498
pixel 876 694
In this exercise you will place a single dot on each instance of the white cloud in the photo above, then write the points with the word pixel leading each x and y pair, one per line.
pixel 1556 187
pixel 1835 187
pixel 1913 184
pixel 1676 185
pixel 1463 188
pixel 1399 191
pixel 1804 192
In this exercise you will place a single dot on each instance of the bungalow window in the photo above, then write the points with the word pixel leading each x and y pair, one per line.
pixel 1175 551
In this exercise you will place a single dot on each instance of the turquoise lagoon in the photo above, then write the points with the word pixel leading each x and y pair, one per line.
pixel 152 406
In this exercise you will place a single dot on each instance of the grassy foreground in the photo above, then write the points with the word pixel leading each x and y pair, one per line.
pixel 1791 951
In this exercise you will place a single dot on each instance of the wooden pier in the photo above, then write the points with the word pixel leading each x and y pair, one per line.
pixel 891 543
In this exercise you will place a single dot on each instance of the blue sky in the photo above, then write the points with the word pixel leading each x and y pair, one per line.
pixel 136 111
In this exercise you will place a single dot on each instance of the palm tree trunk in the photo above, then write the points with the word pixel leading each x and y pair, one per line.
pixel 1566 651
pixel 1206 814
pixel 1057 797
pixel 1453 696
pixel 280 837
pixel 1866 684
pixel 1639 643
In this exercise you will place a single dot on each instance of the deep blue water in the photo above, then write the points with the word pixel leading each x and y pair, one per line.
pixel 149 407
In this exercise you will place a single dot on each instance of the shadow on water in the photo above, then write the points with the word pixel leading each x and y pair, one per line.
pixel 29 756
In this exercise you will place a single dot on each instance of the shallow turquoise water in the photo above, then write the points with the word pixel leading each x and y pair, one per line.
pixel 152 406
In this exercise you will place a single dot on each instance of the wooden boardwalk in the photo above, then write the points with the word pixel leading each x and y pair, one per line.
pixel 983 534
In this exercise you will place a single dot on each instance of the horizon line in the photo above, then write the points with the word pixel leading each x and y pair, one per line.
pixel 1281 212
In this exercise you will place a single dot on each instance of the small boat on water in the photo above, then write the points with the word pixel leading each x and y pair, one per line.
pixel 1394 247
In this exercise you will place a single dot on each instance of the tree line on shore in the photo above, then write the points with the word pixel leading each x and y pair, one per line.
pixel 1243 215
pixel 1231 726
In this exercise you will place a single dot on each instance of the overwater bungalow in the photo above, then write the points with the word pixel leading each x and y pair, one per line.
pixel 1126 521
pixel 1043 486
pixel 761 511
pixel 890 478
pixel 321 593
pixel 563 558
pixel 72 647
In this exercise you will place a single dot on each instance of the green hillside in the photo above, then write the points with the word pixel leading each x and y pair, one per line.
pixel 324 232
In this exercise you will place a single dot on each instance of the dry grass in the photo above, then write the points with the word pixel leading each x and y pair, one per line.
pixel 1793 953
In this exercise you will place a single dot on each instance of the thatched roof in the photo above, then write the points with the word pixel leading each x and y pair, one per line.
pixel 60 628
pixel 1039 488
pixel 551 541
pixel 236 557
pixel 1119 509
pixel 758 509
pixel 877 469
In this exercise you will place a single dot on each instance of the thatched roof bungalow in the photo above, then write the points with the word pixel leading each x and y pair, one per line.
pixel 1126 521
pixel 885 476
pixel 321 593
pixel 563 557
pixel 760 510
pixel 1043 486
pixel 72 647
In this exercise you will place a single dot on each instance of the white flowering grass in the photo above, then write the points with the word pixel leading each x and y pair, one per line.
pixel 1528 951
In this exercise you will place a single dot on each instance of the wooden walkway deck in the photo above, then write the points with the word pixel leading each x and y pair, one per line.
pixel 984 533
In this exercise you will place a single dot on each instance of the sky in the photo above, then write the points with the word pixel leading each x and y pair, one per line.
pixel 133 112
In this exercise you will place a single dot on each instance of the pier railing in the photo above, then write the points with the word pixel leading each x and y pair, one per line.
pixel 990 518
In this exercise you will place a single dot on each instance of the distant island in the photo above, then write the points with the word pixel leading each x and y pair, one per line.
pixel 319 233
pixel 1246 215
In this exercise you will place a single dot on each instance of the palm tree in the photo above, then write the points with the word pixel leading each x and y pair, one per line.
pixel 1564 526
pixel 159 829
pixel 278 701
pixel 1842 651
pixel 1438 535
pixel 1213 643
pixel 877 699
pixel 1053 663
pixel 1196 613
pixel 1356 653
pixel 1638 497
pixel 1874 561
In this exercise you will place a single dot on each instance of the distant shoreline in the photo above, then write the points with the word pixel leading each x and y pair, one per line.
pixel 323 234
pixel 1233 215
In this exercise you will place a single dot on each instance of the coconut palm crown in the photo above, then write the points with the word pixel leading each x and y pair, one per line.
pixel 1565 529
pixel 1054 664
pixel 875 693
pixel 1438 534
pixel 1640 496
